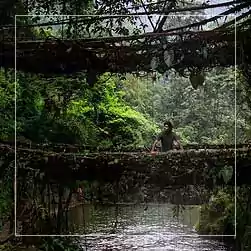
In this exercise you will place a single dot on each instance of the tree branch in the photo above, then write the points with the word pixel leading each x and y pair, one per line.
pixel 234 20
pixel 93 18
pixel 101 41
pixel 162 22
pixel 205 21
pixel 149 18
pixel 157 23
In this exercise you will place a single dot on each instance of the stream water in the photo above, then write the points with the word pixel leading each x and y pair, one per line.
pixel 139 227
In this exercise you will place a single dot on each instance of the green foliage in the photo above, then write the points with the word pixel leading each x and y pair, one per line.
pixel 68 110
pixel 124 114
pixel 226 173
pixel 204 115
pixel 7 98
pixel 217 217
pixel 6 190
pixel 111 117
pixel 7 247
pixel 243 218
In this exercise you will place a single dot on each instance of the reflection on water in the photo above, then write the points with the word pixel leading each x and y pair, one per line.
pixel 137 227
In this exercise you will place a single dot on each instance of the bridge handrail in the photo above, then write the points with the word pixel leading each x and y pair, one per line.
pixel 77 148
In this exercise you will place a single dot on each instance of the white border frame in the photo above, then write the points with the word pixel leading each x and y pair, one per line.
pixel 235 130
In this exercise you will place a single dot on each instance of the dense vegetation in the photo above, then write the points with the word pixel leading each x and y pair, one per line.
pixel 123 111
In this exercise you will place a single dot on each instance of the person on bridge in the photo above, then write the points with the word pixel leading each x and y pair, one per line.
pixel 169 140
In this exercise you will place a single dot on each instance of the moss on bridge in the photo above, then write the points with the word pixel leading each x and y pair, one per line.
pixel 171 168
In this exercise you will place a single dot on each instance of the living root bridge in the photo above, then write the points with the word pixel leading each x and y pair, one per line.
pixel 53 56
pixel 171 168
pixel 74 148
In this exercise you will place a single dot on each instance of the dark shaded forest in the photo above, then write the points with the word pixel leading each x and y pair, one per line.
pixel 125 110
